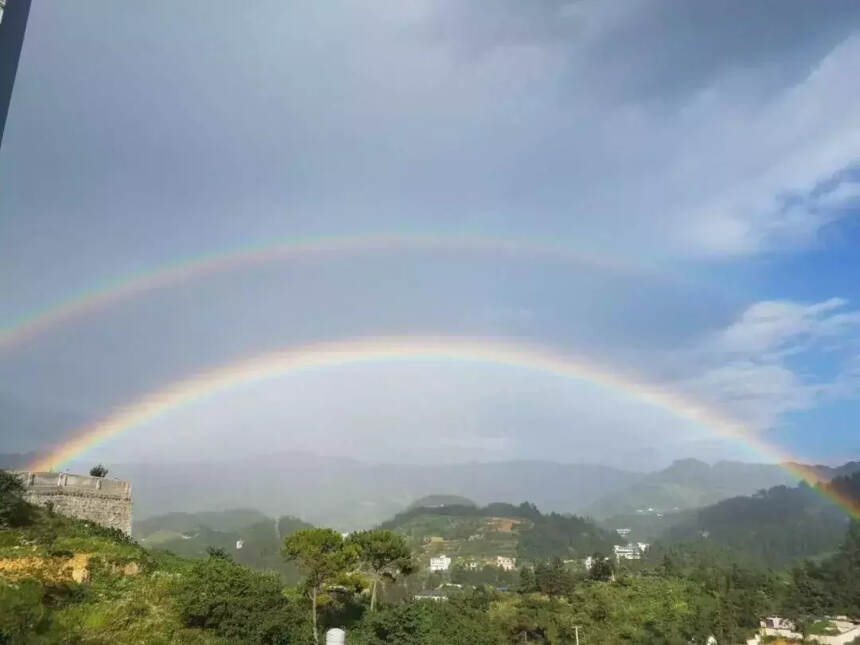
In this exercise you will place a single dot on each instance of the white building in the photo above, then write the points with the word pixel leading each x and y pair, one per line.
pixel 440 563
pixel 507 564
pixel 630 551
pixel 239 544
pixel 623 532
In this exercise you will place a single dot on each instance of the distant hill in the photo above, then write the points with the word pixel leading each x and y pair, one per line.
pixel 432 501
pixel 827 473
pixel 349 494
pixel 467 533
pixel 774 526
pixel 228 520
pixel 249 536
pixel 690 483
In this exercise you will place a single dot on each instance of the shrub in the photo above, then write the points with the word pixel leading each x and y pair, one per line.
pixel 14 511
pixel 238 603
pixel 22 613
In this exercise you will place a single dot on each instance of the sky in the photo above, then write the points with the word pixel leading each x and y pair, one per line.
pixel 684 176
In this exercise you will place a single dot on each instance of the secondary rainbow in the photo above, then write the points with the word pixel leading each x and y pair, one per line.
pixel 364 350
pixel 187 269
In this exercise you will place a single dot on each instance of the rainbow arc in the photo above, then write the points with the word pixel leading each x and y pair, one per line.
pixel 374 350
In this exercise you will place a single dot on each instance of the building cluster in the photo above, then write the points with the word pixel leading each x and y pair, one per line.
pixel 443 563
pixel 630 551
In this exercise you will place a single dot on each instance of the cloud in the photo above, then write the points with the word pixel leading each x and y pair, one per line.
pixel 771 329
pixel 690 134
pixel 750 368
pixel 666 129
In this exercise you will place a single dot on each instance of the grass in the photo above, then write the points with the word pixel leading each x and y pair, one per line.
pixel 823 628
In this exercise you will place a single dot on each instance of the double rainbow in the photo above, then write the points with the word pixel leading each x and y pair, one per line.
pixel 374 350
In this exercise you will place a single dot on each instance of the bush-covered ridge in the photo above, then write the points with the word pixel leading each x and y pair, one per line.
pixel 536 536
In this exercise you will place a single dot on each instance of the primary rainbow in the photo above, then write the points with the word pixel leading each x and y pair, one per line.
pixel 165 276
pixel 329 354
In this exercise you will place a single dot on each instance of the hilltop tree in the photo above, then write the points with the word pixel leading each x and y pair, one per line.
pixel 384 553
pixel 98 471
pixel 322 556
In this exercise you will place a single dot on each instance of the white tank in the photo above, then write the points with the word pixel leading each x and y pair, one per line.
pixel 335 637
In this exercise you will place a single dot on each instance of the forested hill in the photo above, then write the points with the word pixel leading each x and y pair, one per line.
pixel 249 536
pixel 690 483
pixel 501 529
pixel 777 525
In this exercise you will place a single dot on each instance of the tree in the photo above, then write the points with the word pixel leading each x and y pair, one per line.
pixel 427 623
pixel 14 511
pixel 384 553
pixel 218 552
pixel 553 579
pixel 601 568
pixel 527 580
pixel 237 603
pixel 98 471
pixel 322 556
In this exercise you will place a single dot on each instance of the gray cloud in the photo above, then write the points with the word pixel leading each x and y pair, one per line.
pixel 691 134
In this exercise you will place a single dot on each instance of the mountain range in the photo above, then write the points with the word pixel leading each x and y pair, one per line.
pixel 348 493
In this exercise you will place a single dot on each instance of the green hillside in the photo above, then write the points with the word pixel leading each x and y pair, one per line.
pixel 689 483
pixel 772 527
pixel 481 534
pixel 247 535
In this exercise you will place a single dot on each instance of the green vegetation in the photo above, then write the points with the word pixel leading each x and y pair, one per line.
pixel 250 537
pixel 237 603
pixel 323 559
pixel 774 527
pixel 98 471
pixel 470 533
pixel 69 581
pixel 686 484
pixel 13 510
pixel 384 554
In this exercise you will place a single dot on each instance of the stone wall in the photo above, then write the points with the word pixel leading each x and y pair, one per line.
pixel 103 501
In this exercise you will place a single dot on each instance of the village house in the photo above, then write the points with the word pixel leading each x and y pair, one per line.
pixel 505 563
pixel 440 563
